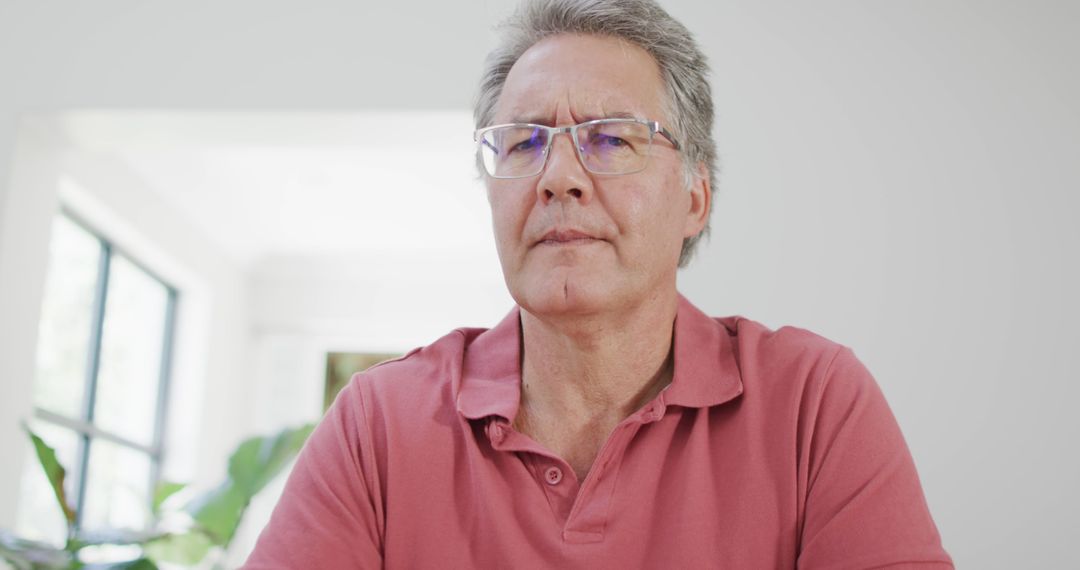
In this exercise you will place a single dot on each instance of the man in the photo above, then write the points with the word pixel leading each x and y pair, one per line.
pixel 605 422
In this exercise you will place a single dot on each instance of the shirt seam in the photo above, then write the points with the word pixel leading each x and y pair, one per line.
pixel 369 465
pixel 811 478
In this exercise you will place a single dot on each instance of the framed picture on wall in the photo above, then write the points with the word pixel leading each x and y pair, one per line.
pixel 340 366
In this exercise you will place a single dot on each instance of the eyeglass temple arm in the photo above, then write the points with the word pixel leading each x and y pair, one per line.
pixel 667 135
pixel 484 142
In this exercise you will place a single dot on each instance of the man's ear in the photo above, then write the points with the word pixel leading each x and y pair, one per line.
pixel 700 202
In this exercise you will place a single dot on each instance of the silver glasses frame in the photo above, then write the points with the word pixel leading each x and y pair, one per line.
pixel 654 129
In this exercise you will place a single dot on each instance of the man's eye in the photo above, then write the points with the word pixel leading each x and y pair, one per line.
pixel 609 141
pixel 530 144
pixel 525 145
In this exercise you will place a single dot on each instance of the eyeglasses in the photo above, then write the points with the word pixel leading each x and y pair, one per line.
pixel 604 146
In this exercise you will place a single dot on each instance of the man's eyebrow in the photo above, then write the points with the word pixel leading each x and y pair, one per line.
pixel 613 115
pixel 538 120
pixel 532 120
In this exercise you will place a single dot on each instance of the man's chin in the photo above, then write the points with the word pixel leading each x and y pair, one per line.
pixel 563 297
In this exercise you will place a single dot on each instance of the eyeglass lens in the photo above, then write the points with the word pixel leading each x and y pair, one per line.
pixel 616 147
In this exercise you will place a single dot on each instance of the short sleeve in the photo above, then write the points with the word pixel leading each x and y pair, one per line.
pixel 864 504
pixel 329 513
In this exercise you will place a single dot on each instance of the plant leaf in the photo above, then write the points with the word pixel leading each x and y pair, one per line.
pixel 218 511
pixel 54 471
pixel 259 459
pixel 164 490
pixel 187 549
pixel 256 461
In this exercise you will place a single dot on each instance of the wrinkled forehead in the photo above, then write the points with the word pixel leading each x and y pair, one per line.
pixel 573 78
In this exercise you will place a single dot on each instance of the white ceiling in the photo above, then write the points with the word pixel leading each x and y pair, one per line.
pixel 243 54
pixel 305 183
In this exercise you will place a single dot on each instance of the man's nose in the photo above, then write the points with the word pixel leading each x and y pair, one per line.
pixel 564 177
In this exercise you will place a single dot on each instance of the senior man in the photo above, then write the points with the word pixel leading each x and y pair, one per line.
pixel 605 422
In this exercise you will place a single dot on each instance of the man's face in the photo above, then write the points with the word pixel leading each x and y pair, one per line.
pixel 573 242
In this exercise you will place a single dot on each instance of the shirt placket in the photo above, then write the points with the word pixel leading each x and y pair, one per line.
pixel 581 507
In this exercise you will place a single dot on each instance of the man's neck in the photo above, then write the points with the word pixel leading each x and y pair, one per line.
pixel 606 366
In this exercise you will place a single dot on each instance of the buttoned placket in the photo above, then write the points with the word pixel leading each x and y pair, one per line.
pixel 581 507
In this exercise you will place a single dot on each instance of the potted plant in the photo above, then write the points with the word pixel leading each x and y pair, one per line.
pixel 184 533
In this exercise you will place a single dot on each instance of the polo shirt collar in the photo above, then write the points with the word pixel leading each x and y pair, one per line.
pixel 491 371
pixel 706 372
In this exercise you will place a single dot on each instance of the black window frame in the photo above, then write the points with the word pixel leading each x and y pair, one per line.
pixel 83 427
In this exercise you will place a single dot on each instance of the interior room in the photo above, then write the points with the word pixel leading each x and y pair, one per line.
pixel 211 214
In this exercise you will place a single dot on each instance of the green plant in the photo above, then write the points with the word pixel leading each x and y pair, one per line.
pixel 210 518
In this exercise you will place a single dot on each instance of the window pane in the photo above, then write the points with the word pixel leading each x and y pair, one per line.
pixel 131 343
pixel 117 487
pixel 66 312
pixel 39 516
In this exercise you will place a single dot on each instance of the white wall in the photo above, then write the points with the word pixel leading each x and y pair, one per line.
pixel 30 200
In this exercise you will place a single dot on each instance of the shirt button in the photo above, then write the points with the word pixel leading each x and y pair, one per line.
pixel 497 433
pixel 553 475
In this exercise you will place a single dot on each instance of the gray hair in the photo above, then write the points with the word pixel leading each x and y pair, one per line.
pixel 683 68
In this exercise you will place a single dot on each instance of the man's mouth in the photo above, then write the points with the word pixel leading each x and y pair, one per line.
pixel 567 237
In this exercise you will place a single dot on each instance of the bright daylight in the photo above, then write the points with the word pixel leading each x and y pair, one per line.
pixel 538 284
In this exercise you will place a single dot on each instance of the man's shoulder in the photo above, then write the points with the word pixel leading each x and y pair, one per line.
pixel 423 376
pixel 791 363
pixel 782 362
pixel 786 341
pixel 425 363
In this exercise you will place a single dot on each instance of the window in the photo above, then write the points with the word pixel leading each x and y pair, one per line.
pixel 104 344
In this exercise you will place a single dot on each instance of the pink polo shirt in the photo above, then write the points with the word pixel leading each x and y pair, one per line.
pixel 769 449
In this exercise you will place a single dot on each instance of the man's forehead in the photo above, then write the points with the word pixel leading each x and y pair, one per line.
pixel 587 77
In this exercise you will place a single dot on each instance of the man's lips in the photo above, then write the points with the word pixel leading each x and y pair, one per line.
pixel 566 237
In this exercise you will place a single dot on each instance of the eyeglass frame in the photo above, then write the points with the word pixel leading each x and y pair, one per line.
pixel 654 128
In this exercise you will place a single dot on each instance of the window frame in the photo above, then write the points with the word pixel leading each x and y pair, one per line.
pixel 83 427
